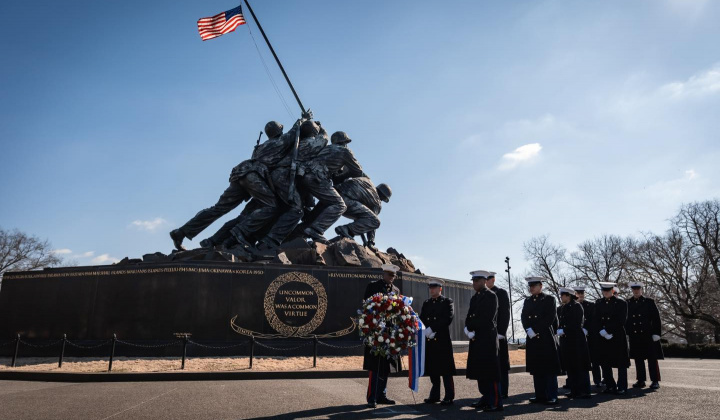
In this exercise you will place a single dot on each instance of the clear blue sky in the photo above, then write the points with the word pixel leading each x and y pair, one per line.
pixel 493 121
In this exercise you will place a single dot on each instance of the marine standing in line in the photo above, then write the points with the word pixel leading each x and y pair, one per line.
pixel 574 355
pixel 380 366
pixel 590 333
pixel 539 316
pixel 612 345
pixel 503 322
pixel 644 328
pixel 437 314
pixel 483 363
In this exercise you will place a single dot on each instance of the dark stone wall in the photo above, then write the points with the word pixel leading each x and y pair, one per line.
pixel 153 301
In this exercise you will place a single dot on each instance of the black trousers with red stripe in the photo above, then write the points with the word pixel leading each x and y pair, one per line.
pixel 653 367
pixel 377 384
pixel 491 392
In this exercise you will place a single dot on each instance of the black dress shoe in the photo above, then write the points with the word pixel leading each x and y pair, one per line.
pixel 536 400
pixel 372 404
pixel 431 401
pixel 446 402
pixel 655 385
pixel 609 390
pixel 639 384
pixel 386 401
pixel 566 386
pixel 478 403
pixel 177 237
pixel 553 401
pixel 569 395
pixel 620 391
pixel 491 409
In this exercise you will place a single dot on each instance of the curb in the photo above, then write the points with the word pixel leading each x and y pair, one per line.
pixel 197 376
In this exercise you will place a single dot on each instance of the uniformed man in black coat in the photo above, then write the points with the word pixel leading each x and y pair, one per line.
pixel 644 329
pixel 539 316
pixel 379 366
pixel 612 345
pixel 483 363
pixel 589 311
pixel 437 313
pixel 503 322
pixel 574 354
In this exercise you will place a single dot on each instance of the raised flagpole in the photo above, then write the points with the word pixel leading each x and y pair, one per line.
pixel 297 98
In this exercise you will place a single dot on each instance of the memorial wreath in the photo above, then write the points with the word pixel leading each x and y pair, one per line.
pixel 387 324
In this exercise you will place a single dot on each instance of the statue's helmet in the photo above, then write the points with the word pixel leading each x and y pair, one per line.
pixel 273 129
pixel 309 129
pixel 384 192
pixel 340 137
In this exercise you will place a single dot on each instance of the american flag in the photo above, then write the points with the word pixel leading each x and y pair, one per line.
pixel 220 24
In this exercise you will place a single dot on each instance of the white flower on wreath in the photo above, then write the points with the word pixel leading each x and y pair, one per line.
pixel 380 339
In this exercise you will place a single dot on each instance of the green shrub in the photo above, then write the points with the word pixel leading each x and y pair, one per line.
pixel 700 351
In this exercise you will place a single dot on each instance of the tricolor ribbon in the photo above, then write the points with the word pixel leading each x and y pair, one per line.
pixel 416 359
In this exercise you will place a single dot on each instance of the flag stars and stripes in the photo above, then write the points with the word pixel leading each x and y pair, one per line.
pixel 220 24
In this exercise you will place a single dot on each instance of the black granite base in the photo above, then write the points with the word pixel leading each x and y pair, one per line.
pixel 149 303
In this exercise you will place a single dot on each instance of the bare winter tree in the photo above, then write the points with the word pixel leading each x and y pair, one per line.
pixel 680 275
pixel 21 252
pixel 700 222
pixel 600 259
pixel 547 260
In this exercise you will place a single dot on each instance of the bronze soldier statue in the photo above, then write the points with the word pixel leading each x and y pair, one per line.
pixel 644 329
pixel 503 322
pixel 437 314
pixel 612 345
pixel 380 366
pixel 539 317
pixel 483 363
pixel 574 354
pixel 334 161
pixel 248 180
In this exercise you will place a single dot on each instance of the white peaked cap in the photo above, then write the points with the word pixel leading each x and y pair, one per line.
pixel 607 285
pixel 616 289
pixel 435 282
pixel 579 288
pixel 482 274
pixel 390 267
pixel 568 290
pixel 636 284
pixel 535 279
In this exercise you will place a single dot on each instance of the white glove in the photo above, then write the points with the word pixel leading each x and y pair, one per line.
pixel 471 335
pixel 609 336
pixel 585 332
pixel 501 337
pixel 467 333
pixel 604 333
pixel 428 332
pixel 656 337
pixel 432 336
pixel 560 332
pixel 530 333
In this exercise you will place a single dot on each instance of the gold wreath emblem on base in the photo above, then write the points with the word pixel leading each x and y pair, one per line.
pixel 269 304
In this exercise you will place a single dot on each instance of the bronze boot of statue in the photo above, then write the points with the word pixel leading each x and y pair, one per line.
pixel 177 237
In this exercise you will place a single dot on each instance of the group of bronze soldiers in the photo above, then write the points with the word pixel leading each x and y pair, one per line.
pixel 296 185
pixel 576 338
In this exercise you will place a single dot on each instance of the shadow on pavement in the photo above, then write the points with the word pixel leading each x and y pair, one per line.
pixel 348 412
pixel 515 405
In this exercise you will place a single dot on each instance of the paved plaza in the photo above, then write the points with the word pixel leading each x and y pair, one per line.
pixel 690 390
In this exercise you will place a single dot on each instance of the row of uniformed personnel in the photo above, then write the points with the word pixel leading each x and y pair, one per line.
pixel 589 337
pixel 578 337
